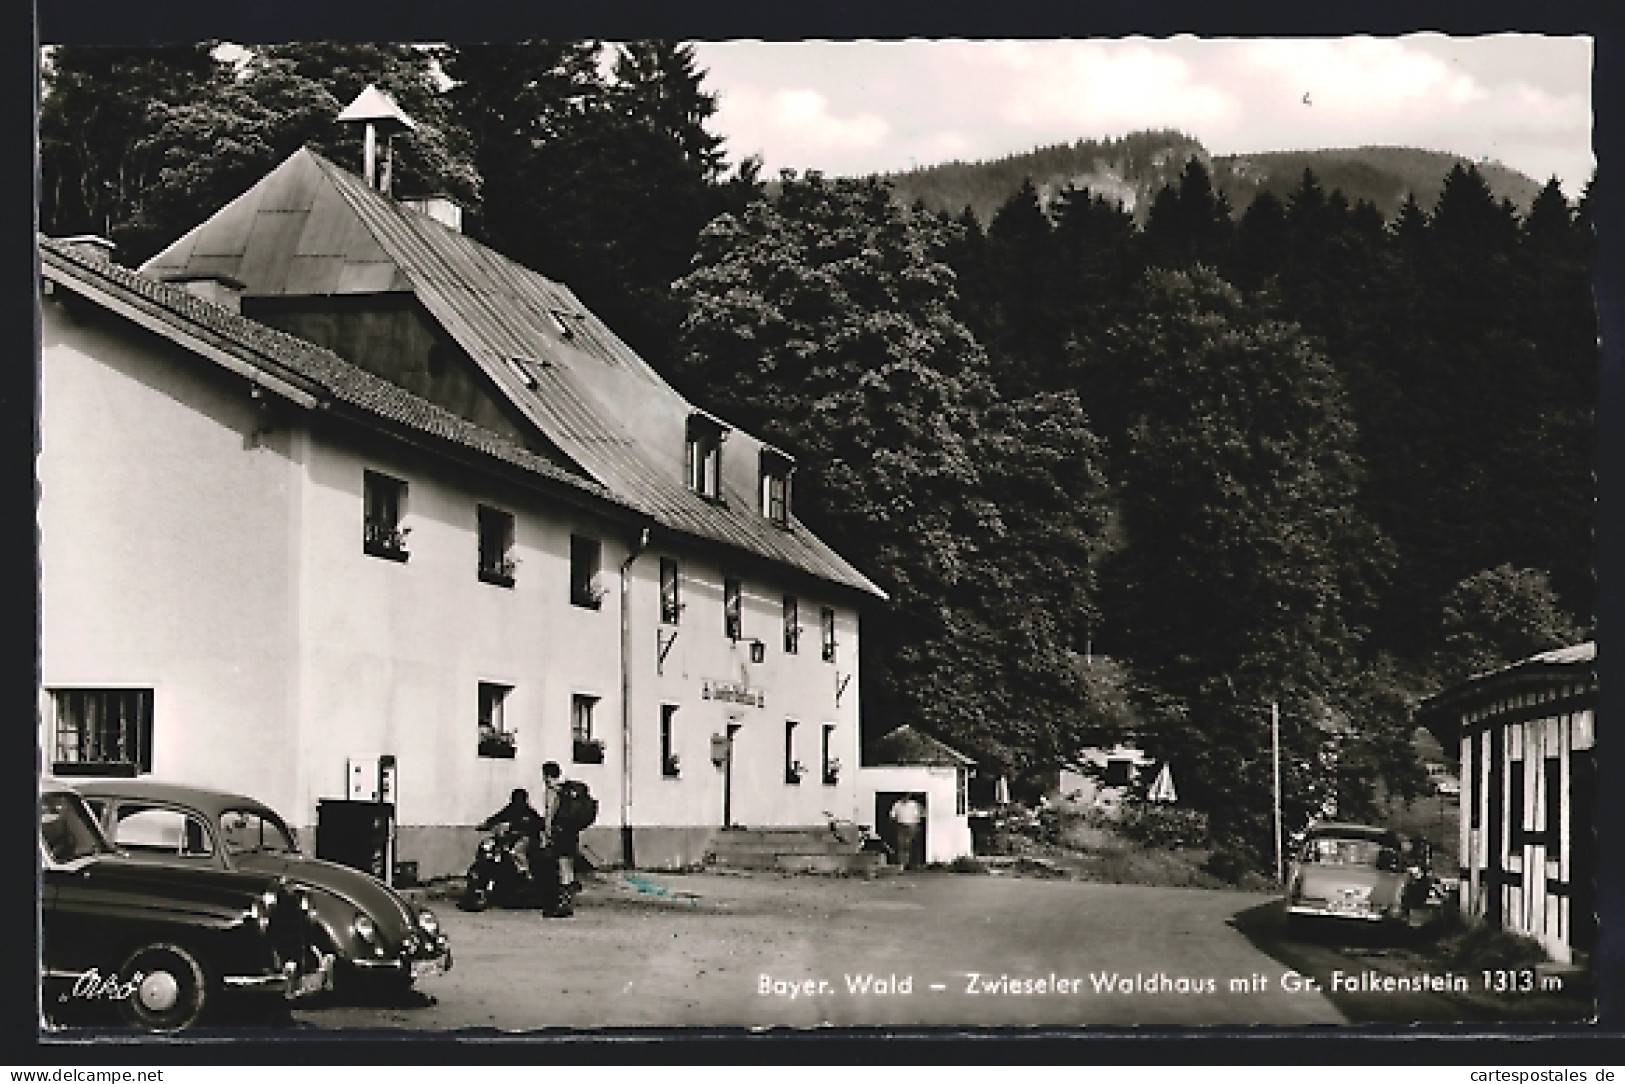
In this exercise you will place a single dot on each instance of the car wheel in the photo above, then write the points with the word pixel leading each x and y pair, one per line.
pixel 172 991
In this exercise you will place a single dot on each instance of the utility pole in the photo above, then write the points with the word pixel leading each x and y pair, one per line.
pixel 1275 756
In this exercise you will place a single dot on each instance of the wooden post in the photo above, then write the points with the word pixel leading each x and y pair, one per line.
pixel 1275 756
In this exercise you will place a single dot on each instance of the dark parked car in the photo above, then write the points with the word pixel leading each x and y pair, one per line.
pixel 159 944
pixel 364 928
pixel 1361 874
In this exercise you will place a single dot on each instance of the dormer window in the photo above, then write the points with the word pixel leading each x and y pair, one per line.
pixel 776 468
pixel 703 458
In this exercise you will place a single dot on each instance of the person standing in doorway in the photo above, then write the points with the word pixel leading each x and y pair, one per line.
pixel 906 814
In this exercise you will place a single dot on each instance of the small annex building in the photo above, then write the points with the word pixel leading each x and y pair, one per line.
pixel 908 762
pixel 332 494
pixel 1528 776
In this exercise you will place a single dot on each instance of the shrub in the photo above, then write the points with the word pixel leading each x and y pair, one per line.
pixel 1155 824
pixel 1487 946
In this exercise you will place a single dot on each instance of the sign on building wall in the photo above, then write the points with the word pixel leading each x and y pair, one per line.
pixel 732 692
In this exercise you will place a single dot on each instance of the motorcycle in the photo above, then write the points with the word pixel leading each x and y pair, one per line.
pixel 495 877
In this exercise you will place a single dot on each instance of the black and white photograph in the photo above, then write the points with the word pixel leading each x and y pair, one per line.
pixel 557 535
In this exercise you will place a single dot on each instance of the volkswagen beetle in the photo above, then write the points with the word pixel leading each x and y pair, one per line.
pixel 161 945
pixel 365 930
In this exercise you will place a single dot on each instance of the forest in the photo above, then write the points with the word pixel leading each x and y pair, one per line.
pixel 1121 479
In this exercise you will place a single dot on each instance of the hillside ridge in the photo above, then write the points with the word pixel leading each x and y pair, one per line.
pixel 1132 168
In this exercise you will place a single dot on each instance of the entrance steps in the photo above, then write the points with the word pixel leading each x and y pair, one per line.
pixel 811 849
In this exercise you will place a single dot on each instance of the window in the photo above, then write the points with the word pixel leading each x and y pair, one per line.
pixel 733 609
pixel 793 771
pixel 497 562
pixel 103 731
pixel 1470 767
pixel 702 459
pixel 586 555
pixel 830 767
pixel 827 621
pixel 671 604
pixel 249 831
pixel 584 747
pixel 496 740
pixel 1119 772
pixel 776 468
pixel 155 830
pixel 1554 804
pixel 670 766
pixel 792 625
pixel 383 504
pixel 1515 812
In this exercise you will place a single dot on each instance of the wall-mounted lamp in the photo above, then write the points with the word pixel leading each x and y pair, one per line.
pixel 758 651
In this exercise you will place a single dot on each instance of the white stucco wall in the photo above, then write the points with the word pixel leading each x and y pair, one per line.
pixel 167 552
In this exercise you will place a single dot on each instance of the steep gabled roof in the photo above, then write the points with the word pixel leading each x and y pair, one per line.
pixel 294 367
pixel 311 228
pixel 906 746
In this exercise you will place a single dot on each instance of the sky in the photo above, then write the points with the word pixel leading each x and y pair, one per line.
pixel 853 108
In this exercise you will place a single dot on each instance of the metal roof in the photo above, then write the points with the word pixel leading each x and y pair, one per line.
pixel 1575 663
pixel 907 746
pixel 311 228
pixel 303 365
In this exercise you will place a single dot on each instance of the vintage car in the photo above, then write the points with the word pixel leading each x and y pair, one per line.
pixel 1444 781
pixel 1359 873
pixel 365 930
pixel 160 945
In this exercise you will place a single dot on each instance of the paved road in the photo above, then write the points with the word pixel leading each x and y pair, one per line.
pixel 927 949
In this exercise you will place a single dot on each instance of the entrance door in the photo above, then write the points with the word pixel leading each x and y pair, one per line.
pixel 887 828
pixel 728 778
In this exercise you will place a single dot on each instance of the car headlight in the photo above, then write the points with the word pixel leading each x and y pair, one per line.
pixel 261 909
pixel 428 923
pixel 365 928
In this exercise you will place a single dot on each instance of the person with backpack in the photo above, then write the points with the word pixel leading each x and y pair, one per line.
pixel 568 808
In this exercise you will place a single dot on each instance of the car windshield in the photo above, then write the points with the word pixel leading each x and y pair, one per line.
pixel 1343 851
pixel 249 831
pixel 67 830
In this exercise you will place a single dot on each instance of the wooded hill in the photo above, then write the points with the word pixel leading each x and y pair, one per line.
pixel 1132 168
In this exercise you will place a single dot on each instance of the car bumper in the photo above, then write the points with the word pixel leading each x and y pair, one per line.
pixel 285 982
pixel 1305 910
pixel 415 967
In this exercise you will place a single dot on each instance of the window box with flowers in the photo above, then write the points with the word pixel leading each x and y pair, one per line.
pixel 589 751
pixel 832 773
pixel 500 572
pixel 672 766
pixel 502 744
pixel 386 542
pixel 794 772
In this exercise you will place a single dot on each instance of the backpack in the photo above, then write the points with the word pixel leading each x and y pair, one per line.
pixel 577 807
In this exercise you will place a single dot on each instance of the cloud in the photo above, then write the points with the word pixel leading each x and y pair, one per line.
pixel 801 116
pixel 1364 77
pixel 1092 87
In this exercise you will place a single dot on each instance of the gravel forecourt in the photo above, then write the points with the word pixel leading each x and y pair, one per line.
pixel 729 949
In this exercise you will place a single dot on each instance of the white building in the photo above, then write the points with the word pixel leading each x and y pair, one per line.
pixel 907 763
pixel 1528 782
pixel 444 516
